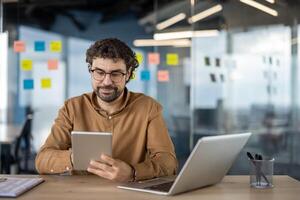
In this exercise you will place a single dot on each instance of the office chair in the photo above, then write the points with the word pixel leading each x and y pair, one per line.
pixel 181 126
pixel 6 159
pixel 22 150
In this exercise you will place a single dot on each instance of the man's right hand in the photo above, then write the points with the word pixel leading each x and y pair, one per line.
pixel 112 169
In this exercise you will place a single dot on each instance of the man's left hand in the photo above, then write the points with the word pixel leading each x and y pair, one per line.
pixel 112 169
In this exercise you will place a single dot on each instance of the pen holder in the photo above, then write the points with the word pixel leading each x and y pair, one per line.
pixel 261 173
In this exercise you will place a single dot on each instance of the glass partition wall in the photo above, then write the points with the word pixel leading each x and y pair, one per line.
pixel 239 74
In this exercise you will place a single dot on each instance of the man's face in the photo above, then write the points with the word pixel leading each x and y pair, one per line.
pixel 110 86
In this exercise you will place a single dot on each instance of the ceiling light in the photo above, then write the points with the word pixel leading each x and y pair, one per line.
pixel 151 42
pixel 205 14
pixel 192 2
pixel 185 34
pixel 171 21
pixel 260 7
pixel 271 1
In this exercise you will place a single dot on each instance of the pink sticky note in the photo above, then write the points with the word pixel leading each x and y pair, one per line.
pixel 153 58
pixel 163 76
pixel 52 64
pixel 19 46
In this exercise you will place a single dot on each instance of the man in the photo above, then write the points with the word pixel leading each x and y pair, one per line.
pixel 142 148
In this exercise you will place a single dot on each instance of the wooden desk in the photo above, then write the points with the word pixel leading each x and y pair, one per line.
pixel 93 187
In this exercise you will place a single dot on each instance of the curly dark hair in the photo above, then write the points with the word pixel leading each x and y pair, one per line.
pixel 115 49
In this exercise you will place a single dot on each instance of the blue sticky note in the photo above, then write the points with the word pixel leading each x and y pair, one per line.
pixel 39 46
pixel 28 84
pixel 145 75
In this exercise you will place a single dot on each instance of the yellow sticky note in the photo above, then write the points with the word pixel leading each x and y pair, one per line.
pixel 133 77
pixel 139 57
pixel 172 59
pixel 55 46
pixel 45 83
pixel 26 65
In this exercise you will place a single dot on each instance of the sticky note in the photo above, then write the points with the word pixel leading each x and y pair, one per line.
pixel 207 61
pixel 172 59
pixel 163 76
pixel 52 64
pixel 212 78
pixel 133 77
pixel 39 46
pixel 145 75
pixel 139 57
pixel 26 65
pixel 278 62
pixel 55 46
pixel 45 83
pixel 270 60
pixel 222 78
pixel 153 58
pixel 19 46
pixel 28 84
pixel 218 62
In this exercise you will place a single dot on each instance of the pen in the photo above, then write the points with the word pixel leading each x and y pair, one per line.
pixel 252 158
pixel 258 168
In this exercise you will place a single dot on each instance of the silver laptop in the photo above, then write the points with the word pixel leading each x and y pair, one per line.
pixel 208 163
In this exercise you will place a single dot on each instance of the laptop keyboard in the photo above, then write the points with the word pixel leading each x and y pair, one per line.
pixel 164 187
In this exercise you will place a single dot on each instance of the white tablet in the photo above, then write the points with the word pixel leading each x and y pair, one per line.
pixel 87 146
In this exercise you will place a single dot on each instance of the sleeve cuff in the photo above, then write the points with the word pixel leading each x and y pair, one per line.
pixel 141 172
pixel 65 164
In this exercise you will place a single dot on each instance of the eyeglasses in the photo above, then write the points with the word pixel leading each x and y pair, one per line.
pixel 99 75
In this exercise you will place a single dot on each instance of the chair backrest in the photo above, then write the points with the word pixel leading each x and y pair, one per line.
pixel 182 123
pixel 25 136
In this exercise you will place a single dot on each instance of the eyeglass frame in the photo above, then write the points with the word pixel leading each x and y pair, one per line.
pixel 92 73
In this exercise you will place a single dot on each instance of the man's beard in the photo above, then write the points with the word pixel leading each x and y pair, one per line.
pixel 108 98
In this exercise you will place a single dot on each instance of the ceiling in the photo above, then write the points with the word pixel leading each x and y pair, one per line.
pixel 44 12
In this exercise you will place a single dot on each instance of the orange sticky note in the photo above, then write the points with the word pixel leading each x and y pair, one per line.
pixel 45 83
pixel 26 65
pixel 172 59
pixel 19 46
pixel 55 46
pixel 163 76
pixel 52 64
pixel 153 58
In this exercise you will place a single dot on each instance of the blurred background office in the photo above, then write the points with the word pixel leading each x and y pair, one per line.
pixel 216 66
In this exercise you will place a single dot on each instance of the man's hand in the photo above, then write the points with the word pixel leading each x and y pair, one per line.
pixel 111 169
